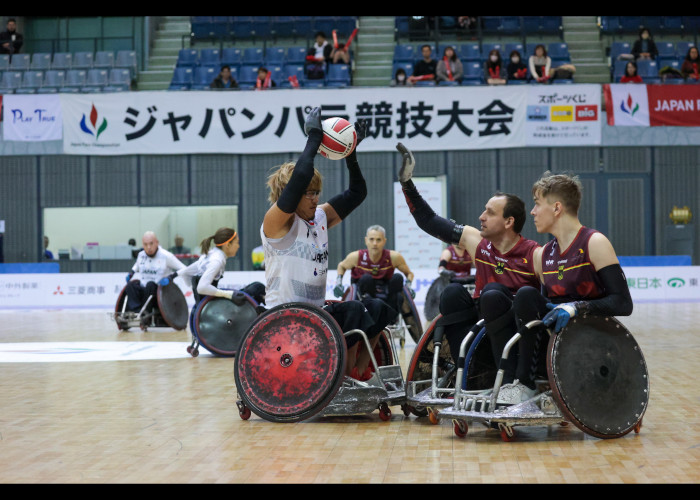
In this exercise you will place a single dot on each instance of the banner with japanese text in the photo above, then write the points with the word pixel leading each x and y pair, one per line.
pixel 652 105
pixel 245 122
pixel 563 115
pixel 32 117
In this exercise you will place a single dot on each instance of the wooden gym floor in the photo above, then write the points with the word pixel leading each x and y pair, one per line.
pixel 174 420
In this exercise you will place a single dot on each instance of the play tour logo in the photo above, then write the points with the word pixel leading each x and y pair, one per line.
pixel 629 106
pixel 92 128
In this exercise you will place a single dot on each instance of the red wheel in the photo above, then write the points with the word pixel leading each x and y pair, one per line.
pixel 432 416
pixel 507 433
pixel 189 349
pixel 384 412
pixel 244 412
pixel 195 352
pixel 461 428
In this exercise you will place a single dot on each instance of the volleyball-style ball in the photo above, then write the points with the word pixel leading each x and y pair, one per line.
pixel 339 138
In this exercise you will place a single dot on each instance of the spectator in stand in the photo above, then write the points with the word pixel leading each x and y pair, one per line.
pixel 318 57
pixel 224 81
pixel 449 68
pixel 424 69
pixel 264 80
pixel 631 75
pixel 399 78
pixel 11 41
pixel 540 66
pixel 48 254
pixel 467 22
pixel 644 47
pixel 516 69
pixel 179 248
pixel 689 68
pixel 494 70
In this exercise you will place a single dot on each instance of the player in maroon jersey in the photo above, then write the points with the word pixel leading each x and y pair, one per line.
pixel 372 268
pixel 579 271
pixel 455 264
pixel 503 260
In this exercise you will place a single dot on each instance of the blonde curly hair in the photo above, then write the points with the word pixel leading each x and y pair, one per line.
pixel 278 179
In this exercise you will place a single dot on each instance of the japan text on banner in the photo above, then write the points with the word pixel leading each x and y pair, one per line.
pixel 563 115
pixel 32 117
pixel 426 119
pixel 653 105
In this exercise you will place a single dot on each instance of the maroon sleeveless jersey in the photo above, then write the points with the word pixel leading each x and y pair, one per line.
pixel 569 274
pixel 383 269
pixel 513 269
pixel 460 265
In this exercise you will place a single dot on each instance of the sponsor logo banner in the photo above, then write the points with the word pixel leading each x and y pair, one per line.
pixel 32 117
pixel 652 105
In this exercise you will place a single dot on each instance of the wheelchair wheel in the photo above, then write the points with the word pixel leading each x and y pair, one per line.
pixel 290 363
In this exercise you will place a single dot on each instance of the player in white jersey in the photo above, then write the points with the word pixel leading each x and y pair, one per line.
pixel 206 272
pixel 153 264
pixel 294 233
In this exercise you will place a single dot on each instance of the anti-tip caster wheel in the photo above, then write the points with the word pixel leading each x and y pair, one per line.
pixel 460 427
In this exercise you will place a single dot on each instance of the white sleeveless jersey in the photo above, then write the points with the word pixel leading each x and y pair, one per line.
pixel 296 265
pixel 155 268
pixel 210 268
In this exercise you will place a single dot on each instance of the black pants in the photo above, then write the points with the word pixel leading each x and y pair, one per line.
pixel 137 295
pixel 494 305
pixel 371 317
pixel 529 305
pixel 388 291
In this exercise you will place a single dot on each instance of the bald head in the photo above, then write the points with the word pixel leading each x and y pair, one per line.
pixel 150 243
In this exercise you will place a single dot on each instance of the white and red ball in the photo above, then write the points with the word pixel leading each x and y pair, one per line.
pixel 339 138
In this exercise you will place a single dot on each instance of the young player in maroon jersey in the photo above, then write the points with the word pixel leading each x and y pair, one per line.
pixel 503 260
pixel 579 271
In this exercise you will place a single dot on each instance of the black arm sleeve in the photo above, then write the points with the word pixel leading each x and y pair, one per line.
pixel 436 226
pixel 617 301
pixel 352 197
pixel 302 174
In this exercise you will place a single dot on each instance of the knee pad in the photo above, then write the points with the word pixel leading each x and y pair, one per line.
pixel 396 283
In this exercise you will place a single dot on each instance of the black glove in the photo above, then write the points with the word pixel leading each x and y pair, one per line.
pixel 361 128
pixel 406 171
pixel 313 121
pixel 238 298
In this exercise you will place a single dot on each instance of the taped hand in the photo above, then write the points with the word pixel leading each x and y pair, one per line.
pixel 559 315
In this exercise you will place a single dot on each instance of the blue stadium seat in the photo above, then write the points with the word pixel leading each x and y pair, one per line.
pixel 618 69
pixel 10 81
pixel 404 52
pixel 53 79
pixel 491 24
pixel 231 56
pixel 209 57
pixel 647 69
pixel 324 23
pixel 252 56
pixel 20 62
pixel 303 26
pixel 83 60
pixel 610 25
pixel 120 77
pixel 283 26
pixel 31 81
pixel 401 26
pixel 682 48
pixel 617 48
pixel 4 62
pixel 275 55
pixel 127 59
pixel 338 75
pixel 241 26
pixel 510 25
pixel 97 78
pixel 469 52
pixel 672 24
pixel 104 59
pixel 201 27
pixel 41 61
pixel 654 23
pixel 247 76
pixel 296 55
pixel 75 78
pixel 203 76
pixel 62 60
pixel 630 24
pixel 473 74
pixel 289 71
pixel 187 58
pixel 183 77
pixel 260 26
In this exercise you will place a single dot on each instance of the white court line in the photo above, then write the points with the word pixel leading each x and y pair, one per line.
pixel 38 352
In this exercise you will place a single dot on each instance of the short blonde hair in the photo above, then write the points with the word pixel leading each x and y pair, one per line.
pixel 278 179
pixel 566 188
